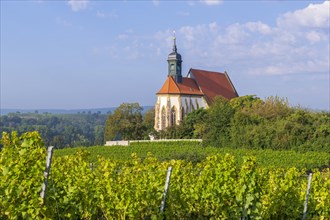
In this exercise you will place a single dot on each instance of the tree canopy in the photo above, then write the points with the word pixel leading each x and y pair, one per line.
pixel 126 123
pixel 249 122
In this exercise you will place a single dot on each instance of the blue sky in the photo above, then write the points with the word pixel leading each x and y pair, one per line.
pixel 93 54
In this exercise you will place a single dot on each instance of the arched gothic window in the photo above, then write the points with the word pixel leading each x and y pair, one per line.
pixel 187 107
pixel 192 105
pixel 163 118
pixel 173 116
pixel 197 105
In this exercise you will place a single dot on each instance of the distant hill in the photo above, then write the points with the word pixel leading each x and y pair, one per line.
pixel 5 111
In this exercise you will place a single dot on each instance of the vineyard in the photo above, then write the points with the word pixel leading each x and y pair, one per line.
pixel 217 187
pixel 195 152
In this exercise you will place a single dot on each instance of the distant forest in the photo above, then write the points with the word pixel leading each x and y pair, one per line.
pixel 59 130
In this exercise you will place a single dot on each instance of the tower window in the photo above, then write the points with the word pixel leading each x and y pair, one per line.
pixel 172 69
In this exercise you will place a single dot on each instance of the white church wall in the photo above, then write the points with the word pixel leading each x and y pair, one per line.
pixel 175 101
pixel 162 100
pixel 168 101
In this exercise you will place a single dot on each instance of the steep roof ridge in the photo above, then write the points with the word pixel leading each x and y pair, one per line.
pixel 191 73
pixel 231 84
pixel 171 80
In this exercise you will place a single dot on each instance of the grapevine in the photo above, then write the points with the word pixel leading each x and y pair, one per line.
pixel 218 187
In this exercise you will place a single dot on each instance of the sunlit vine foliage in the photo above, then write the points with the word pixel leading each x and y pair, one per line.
pixel 215 188
pixel 22 162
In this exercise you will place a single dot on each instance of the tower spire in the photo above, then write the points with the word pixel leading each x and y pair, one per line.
pixel 175 62
pixel 174 42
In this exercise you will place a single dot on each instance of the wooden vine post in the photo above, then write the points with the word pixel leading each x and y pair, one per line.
pixel 167 183
pixel 307 194
pixel 46 174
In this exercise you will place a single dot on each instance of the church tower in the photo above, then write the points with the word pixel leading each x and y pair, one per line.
pixel 175 63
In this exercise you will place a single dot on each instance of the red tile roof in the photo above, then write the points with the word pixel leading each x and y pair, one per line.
pixel 187 87
pixel 201 82
pixel 213 84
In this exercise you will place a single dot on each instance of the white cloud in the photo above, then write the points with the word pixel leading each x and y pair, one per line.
pixel 255 47
pixel 259 27
pixel 313 36
pixel 102 14
pixel 77 5
pixel 189 33
pixel 311 67
pixel 234 34
pixel 214 28
pixel 313 16
pixel 212 2
pixel 262 49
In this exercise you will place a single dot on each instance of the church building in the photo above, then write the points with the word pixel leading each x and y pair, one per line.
pixel 181 95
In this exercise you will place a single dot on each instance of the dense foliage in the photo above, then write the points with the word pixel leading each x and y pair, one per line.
pixel 127 123
pixel 249 122
pixel 63 130
pixel 194 152
pixel 216 188
pixel 22 162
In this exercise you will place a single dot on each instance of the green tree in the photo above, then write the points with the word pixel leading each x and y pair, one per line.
pixel 98 134
pixel 217 124
pixel 246 101
pixel 149 123
pixel 273 108
pixel 193 125
pixel 125 123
